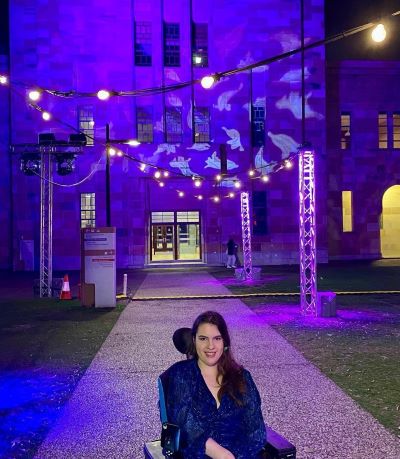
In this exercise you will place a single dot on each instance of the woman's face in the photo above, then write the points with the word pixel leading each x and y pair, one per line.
pixel 209 344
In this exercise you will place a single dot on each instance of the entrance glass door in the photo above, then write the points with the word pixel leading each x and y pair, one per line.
pixel 163 242
pixel 175 236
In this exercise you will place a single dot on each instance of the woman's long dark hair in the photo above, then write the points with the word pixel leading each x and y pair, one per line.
pixel 231 373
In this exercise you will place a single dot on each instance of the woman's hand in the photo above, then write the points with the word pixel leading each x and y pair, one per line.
pixel 216 451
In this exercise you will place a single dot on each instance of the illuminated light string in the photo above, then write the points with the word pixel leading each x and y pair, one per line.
pixel 207 82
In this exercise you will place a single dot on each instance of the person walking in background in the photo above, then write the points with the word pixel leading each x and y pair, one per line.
pixel 231 250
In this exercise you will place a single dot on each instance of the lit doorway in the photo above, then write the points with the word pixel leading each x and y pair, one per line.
pixel 175 236
pixel 390 223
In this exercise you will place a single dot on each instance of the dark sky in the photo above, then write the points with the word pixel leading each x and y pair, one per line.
pixel 340 15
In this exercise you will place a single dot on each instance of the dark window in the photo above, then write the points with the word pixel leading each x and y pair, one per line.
pixel 260 213
pixel 257 125
pixel 143 44
pixel 144 124
pixel 173 124
pixel 86 123
pixel 200 45
pixel 201 125
pixel 172 51
pixel 345 132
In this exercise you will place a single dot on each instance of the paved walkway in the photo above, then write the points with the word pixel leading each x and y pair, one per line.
pixel 113 410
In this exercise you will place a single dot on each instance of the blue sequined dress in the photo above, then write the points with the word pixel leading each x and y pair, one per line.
pixel 193 408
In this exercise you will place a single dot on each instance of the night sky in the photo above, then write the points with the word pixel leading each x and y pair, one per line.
pixel 340 15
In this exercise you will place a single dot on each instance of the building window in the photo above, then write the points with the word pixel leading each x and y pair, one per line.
pixel 88 210
pixel 347 211
pixel 201 125
pixel 396 130
pixel 260 213
pixel 345 132
pixel 143 44
pixel 172 52
pixel 200 45
pixel 257 125
pixel 86 123
pixel 383 130
pixel 173 124
pixel 144 124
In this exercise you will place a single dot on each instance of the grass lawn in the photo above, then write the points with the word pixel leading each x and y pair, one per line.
pixel 360 348
pixel 45 347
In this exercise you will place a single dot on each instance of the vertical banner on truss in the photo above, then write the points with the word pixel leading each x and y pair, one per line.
pixel 246 234
pixel 307 229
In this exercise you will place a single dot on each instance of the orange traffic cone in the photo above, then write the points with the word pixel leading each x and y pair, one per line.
pixel 65 291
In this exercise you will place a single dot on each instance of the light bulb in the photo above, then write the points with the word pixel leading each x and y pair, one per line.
pixel 46 116
pixel 207 81
pixel 197 183
pixel 216 198
pixel 218 178
pixel 199 197
pixel 181 194
pixel 119 153
pixel 161 184
pixel 237 184
pixel 251 173
pixel 166 174
pixel 112 151
pixel 3 79
pixel 157 174
pixel 231 195
pixel 133 143
pixel 378 34
pixel 288 164
pixel 265 178
pixel 34 95
pixel 103 94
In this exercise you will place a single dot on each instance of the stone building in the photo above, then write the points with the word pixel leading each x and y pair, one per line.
pixel 137 50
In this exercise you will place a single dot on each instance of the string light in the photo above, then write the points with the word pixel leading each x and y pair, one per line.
pixel 133 143
pixel 3 79
pixel 157 174
pixel 197 182
pixel 142 167
pixel 119 153
pixel 216 199
pixel 181 194
pixel 207 81
pixel 378 34
pixel 199 197
pixel 288 164
pixel 265 178
pixel 166 174
pixel 46 116
pixel 231 195
pixel 34 95
pixel 237 184
pixel 218 177
pixel 161 184
pixel 103 94
pixel 112 151
pixel 251 173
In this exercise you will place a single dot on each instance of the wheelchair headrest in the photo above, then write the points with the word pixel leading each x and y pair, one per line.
pixel 182 339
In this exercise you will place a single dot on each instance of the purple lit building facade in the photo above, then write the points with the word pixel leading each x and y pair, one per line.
pixel 255 115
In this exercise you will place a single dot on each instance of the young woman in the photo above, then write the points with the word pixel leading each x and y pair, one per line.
pixel 213 400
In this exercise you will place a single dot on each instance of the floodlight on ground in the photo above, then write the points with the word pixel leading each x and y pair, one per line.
pixel 378 33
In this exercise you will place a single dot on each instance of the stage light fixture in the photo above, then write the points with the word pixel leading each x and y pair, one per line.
pixel 65 163
pixel 30 163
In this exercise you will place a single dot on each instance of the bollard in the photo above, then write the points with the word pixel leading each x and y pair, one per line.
pixel 125 287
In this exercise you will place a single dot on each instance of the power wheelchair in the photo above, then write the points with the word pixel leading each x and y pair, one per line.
pixel 277 447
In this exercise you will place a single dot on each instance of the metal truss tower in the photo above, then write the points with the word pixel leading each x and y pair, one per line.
pixel 246 235
pixel 307 227
pixel 46 221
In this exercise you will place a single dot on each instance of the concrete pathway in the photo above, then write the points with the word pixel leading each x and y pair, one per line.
pixel 113 410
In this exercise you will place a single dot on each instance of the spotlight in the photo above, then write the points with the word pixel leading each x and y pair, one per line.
pixel 103 94
pixel 34 95
pixel 378 34
pixel 207 81
pixel 65 163
pixel 30 164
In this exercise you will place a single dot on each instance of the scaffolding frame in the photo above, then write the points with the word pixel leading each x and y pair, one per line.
pixel 46 221
pixel 307 230
pixel 246 234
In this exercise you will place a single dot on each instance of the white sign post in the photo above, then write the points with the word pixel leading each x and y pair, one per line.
pixel 99 264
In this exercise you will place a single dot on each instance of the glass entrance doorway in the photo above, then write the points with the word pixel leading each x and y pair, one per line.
pixel 175 236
